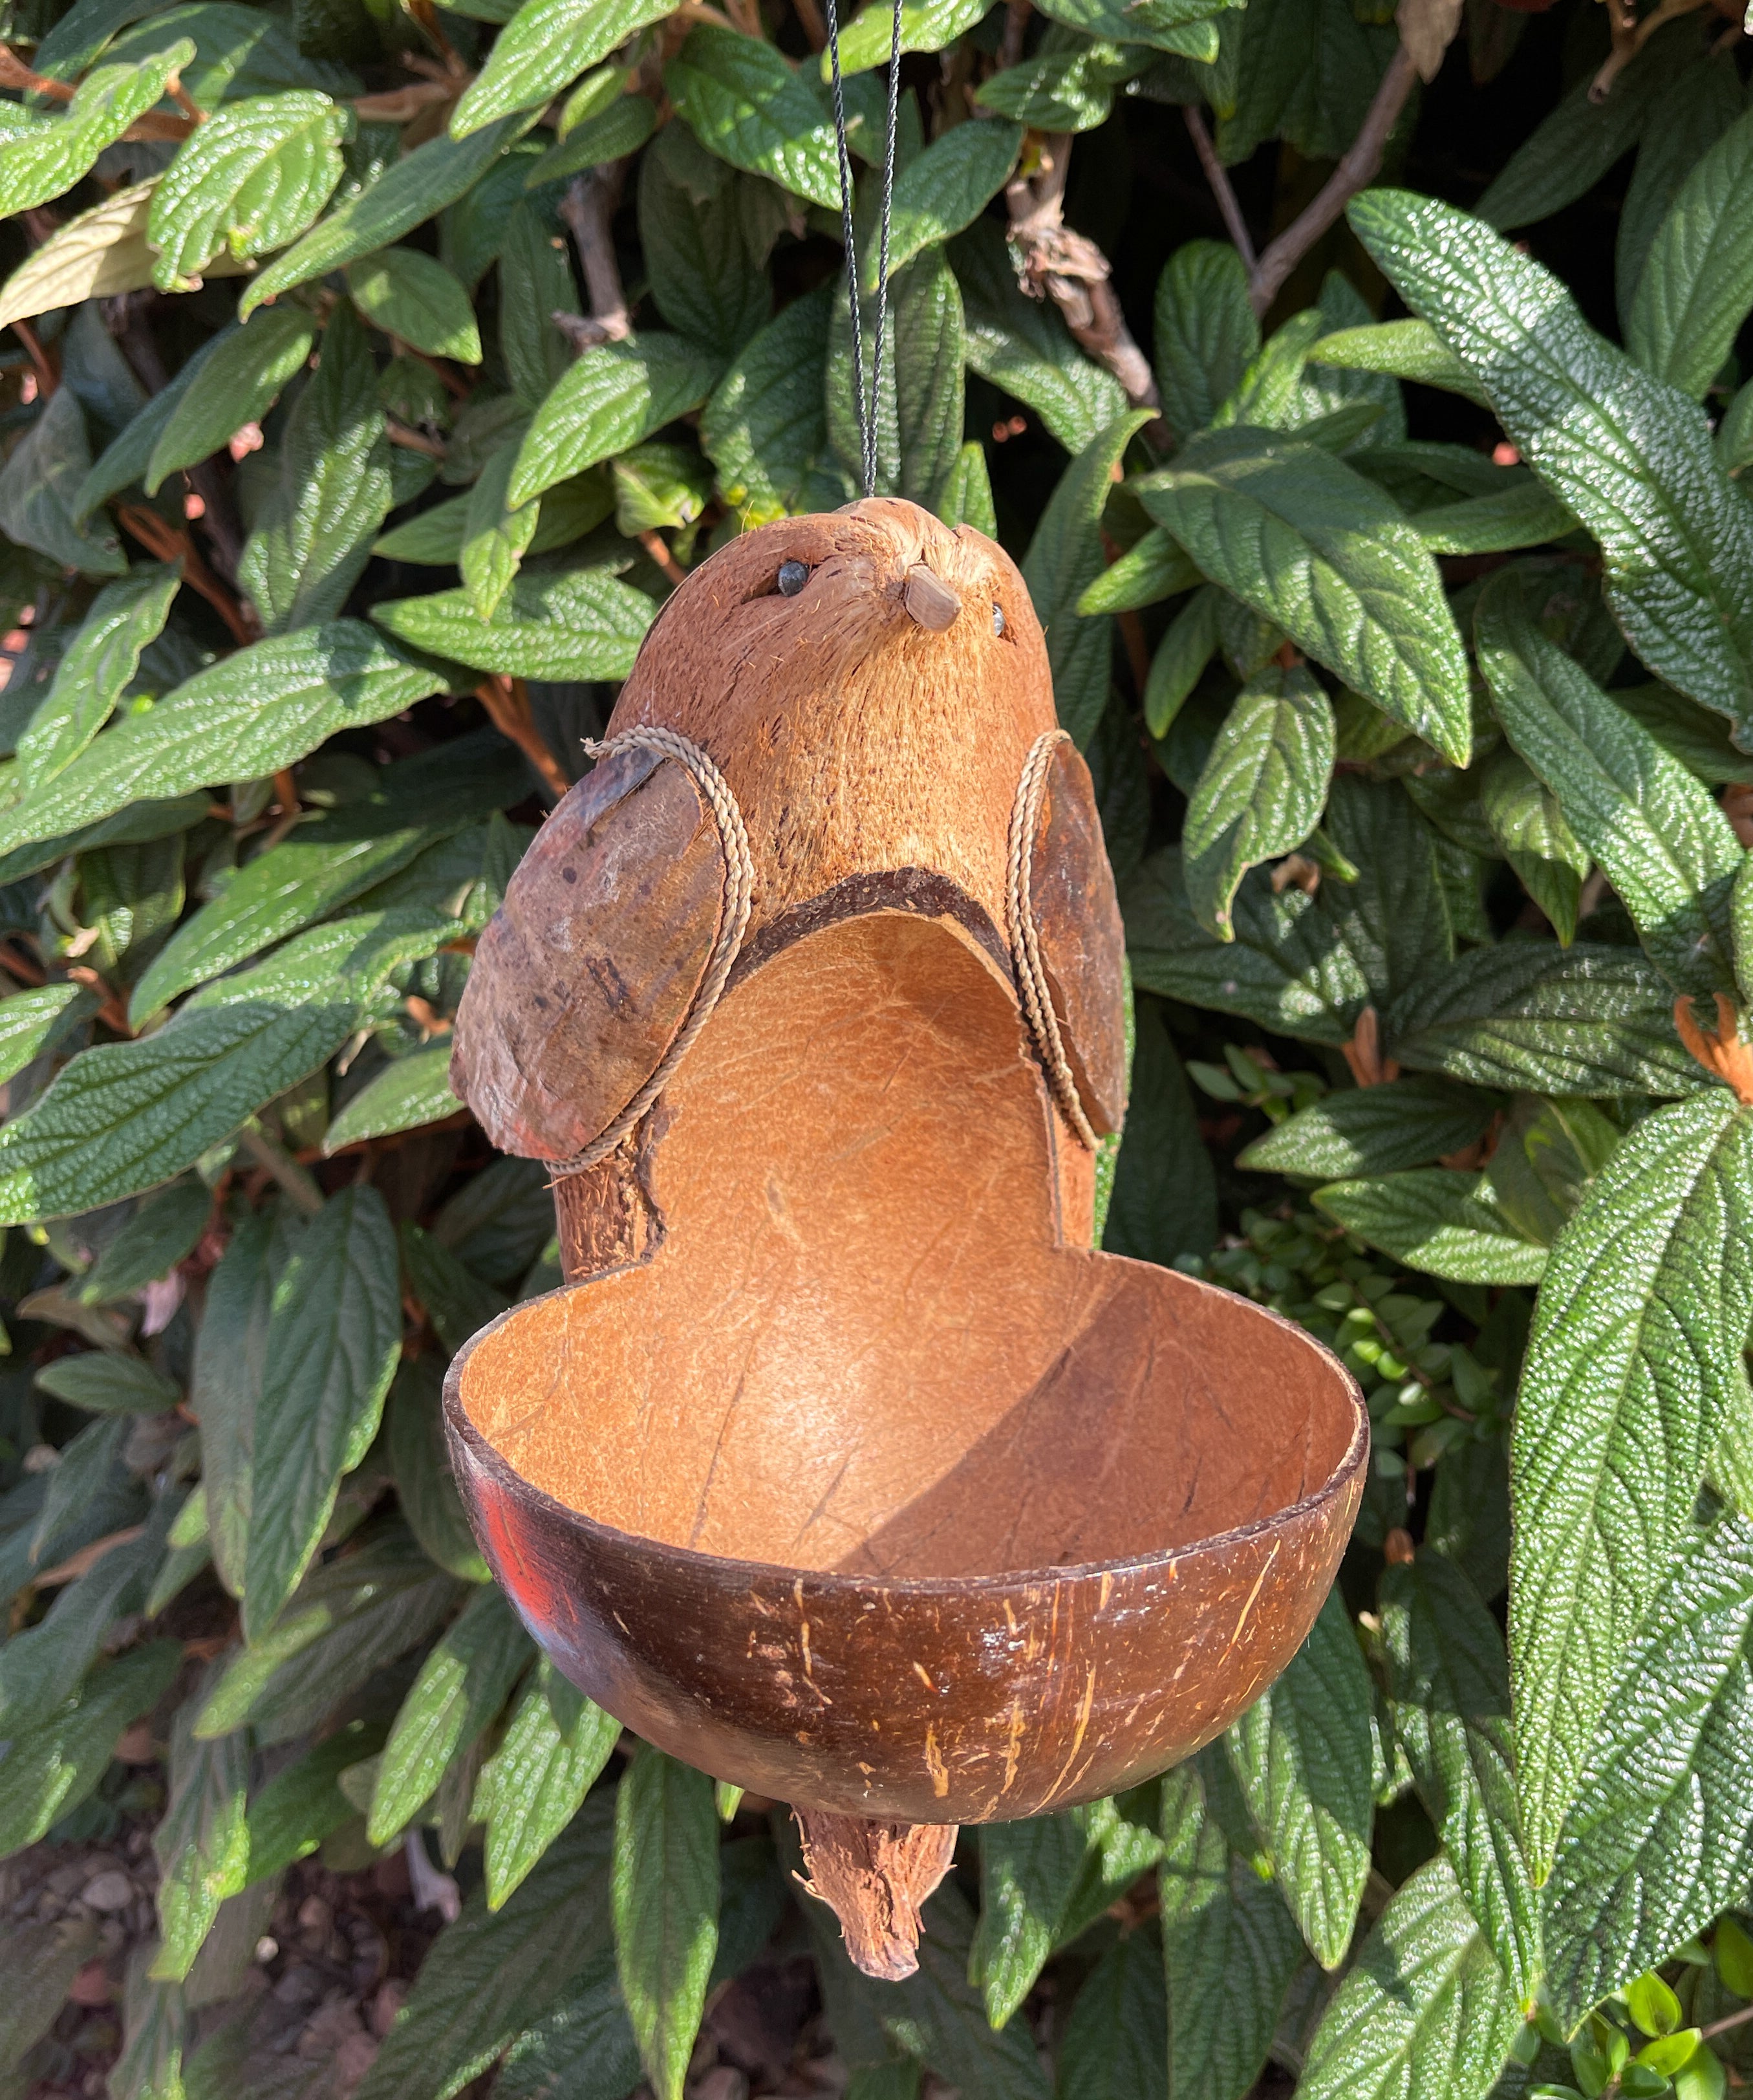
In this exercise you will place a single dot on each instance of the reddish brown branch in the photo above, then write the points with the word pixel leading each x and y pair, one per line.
pixel 13 72
pixel 810 18
pixel 1016 14
pixel 169 543
pixel 507 701
pixel 1223 190
pixel 43 361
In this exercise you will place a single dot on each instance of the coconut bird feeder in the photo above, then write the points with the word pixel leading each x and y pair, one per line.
pixel 843 1467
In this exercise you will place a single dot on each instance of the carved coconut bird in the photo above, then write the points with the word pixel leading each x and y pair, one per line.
pixel 843 1468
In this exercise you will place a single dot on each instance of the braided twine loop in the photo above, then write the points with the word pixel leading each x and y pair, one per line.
pixel 1025 939
pixel 739 889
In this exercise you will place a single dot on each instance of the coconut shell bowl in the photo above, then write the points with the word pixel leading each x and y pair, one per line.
pixel 843 1467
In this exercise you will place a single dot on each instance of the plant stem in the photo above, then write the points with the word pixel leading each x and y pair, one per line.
pixel 1222 189
pixel 301 1187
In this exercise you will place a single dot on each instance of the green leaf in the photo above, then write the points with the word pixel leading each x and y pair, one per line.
pixel 1189 643
pixel 1696 284
pixel 105 1382
pixel 493 1974
pixel 1448 1679
pixel 1113 2044
pixel 456 1299
pixel 701 248
pixel 1623 452
pixel 461 1688
pixel 238 51
pixel 1308 543
pixel 946 188
pixel 34 1021
pixel 44 484
pixel 574 623
pixel 965 497
pixel 420 1460
pixel 1153 568
pixel 554 1747
pixel 925 25
pixel 1062 91
pixel 1437 1219
pixel 314 534
pixel 543 48
pixel 1404 350
pixel 494 538
pixel 202 1840
pixel 1064 557
pixel 97 669
pixel 1522 515
pixel 1664 1784
pixel 1697 105
pixel 1301 1757
pixel 921 417
pixel 334 1335
pixel 1207 333
pixel 243 718
pixel 409 295
pixel 1529 825
pixel 1306 72
pixel 96 255
pixel 301 1805
pixel 1165 1200
pixel 1261 791
pixel 1426 2014
pixel 1372 1130
pixel 613 134
pixel 352 1617
pixel 1023 346
pixel 240 382
pixel 247 181
pixel 46 161
pixel 741 100
pixel 57 1758
pixel 1227 1939
pixel 584 2049
pixel 1534 1017
pixel 1663 842
pixel 665 1907
pixel 409 191
pixel 613 397
pixel 1637 1342
pixel 230 1355
pixel 409 1091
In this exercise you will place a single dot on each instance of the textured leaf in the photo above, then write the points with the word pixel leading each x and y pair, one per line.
pixel 1301 1756
pixel 239 383
pixel 1697 283
pixel 1448 1679
pixel 535 283
pixel 1662 841
pixel 741 100
pixel 1436 1220
pixel 1637 1336
pixel 461 1687
pixel 103 1382
pixel 1656 1841
pixel 666 1907
pixel 1113 2045
pixel 230 1354
pixel 584 2049
pixel 263 708
pixel 34 1021
pixel 1372 1130
pixel 613 397
pixel 492 1974
pixel 702 247
pixel 246 182
pixel 921 417
pixel 925 25
pixel 1306 71
pixel 102 251
pixel 1064 559
pixel 554 1746
pixel 334 1335
pixel 408 294
pixel 1062 91
pixel 613 134
pixel 946 188
pixel 1164 1200
pixel 1312 545
pixel 314 534
pixel 55 1760
pixel 301 1805
pixel 1227 1939
pixel 765 428
pixel 425 1489
pixel 456 1300
pixel 1625 452
pixel 202 1840
pixel 543 48
pixel 409 191
pixel 39 496
pixel 1522 515
pixel 238 51
pixel 97 669
pixel 409 1091
pixel 1534 1017
pixel 1405 349
pixel 1023 346
pixel 1426 2014
pixel 574 623
pixel 46 162
pixel 1207 334
pixel 1261 791
pixel 1152 568
pixel 1529 825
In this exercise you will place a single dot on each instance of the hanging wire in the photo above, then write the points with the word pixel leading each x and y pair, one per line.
pixel 865 407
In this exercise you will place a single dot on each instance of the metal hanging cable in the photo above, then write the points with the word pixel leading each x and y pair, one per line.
pixel 865 409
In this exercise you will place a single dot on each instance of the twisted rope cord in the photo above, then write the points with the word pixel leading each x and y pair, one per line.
pixel 1025 941
pixel 739 889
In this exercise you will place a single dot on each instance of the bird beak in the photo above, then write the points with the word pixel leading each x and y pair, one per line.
pixel 929 599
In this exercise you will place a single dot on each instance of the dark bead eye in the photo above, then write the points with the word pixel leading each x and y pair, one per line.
pixel 793 575
pixel 998 619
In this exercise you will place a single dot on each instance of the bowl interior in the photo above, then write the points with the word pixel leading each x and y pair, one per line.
pixel 862 1345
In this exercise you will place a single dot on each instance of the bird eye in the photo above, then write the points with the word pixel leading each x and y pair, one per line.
pixel 793 575
pixel 997 618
